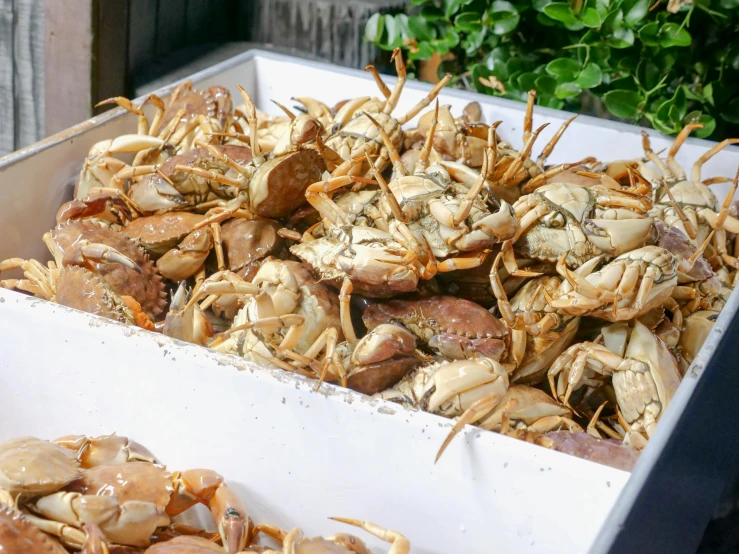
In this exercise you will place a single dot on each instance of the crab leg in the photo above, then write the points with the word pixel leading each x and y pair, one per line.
pixel 542 178
pixel 679 140
pixel 251 118
pixel 652 157
pixel 345 312
pixel 398 166
pixel 465 206
pixel 387 193
pixel 466 261
pixel 695 173
pixel 423 158
pixel 528 118
pixel 380 83
pixel 517 163
pixel 400 544
pixel 413 112
pixel 545 153
pixel 392 100
pixel 689 227
pixel 127 105
pixel 477 410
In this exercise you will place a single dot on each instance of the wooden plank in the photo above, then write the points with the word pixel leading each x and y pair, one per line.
pixel 142 30
pixel 68 62
pixel 170 33
pixel 7 101
pixel 29 71
pixel 109 77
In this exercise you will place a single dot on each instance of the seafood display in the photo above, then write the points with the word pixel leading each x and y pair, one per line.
pixel 107 494
pixel 439 267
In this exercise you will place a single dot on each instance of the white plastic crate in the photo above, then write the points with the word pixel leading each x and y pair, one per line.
pixel 299 456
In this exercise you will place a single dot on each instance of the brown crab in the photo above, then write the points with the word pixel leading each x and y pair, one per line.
pixel 145 286
pixel 454 327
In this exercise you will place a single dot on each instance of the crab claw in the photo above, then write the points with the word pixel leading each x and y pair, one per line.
pixel 155 193
pixel 125 143
pixel 86 252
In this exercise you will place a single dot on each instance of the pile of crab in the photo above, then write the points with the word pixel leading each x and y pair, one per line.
pixel 110 495
pixel 438 267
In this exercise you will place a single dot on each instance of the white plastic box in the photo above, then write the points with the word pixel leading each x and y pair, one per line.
pixel 299 456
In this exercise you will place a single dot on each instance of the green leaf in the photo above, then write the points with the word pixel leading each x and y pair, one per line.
pixel 649 34
pixel 417 2
pixel 731 112
pixel 452 6
pixel 567 90
pixel 432 13
pixel 539 4
pixel 623 37
pixel 468 22
pixel 671 34
pixel 546 84
pixel 708 93
pixel 473 41
pixel 648 73
pixel 708 122
pixel 550 102
pixel 420 29
pixel 502 17
pixel 479 70
pixel 563 68
pixel 623 103
pixel 591 18
pixel 661 125
pixel 637 12
pixel 424 50
pixel 590 76
pixel 560 11
pixel 545 20
pixel 527 81
pixel 680 103
pixel 730 4
pixel 374 27
pixel 392 32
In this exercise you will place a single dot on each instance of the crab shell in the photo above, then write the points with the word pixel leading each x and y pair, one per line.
pixel 81 289
pixel 103 207
pixel 147 288
pixel 159 233
pixel 278 186
pixel 34 467
pixel 380 359
pixel 214 103
pixel 246 241
pixel 444 318
pixel 17 535
pixel 185 545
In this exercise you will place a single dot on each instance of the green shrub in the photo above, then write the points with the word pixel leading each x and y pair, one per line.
pixel 646 61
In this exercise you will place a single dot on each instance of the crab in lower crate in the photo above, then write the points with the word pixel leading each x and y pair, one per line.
pixel 127 500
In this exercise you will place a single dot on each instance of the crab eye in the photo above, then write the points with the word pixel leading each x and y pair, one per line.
pixel 554 221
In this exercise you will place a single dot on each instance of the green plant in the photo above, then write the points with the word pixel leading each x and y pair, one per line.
pixel 644 60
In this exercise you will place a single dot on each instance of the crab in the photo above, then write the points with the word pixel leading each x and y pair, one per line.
pixel 145 286
pixel 76 280
pixel 449 388
pixel 360 136
pixel 522 412
pixel 293 542
pixel 645 374
pixel 291 317
pixel 188 179
pixel 539 333
pixel 581 222
pixel 376 262
pixel 107 207
pixel 188 115
pixel 688 203
pixel 696 328
pixel 625 288
pixel 181 240
pixel 455 328
pixel 186 321
pixel 18 534
pixel 246 242
pixel 128 501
